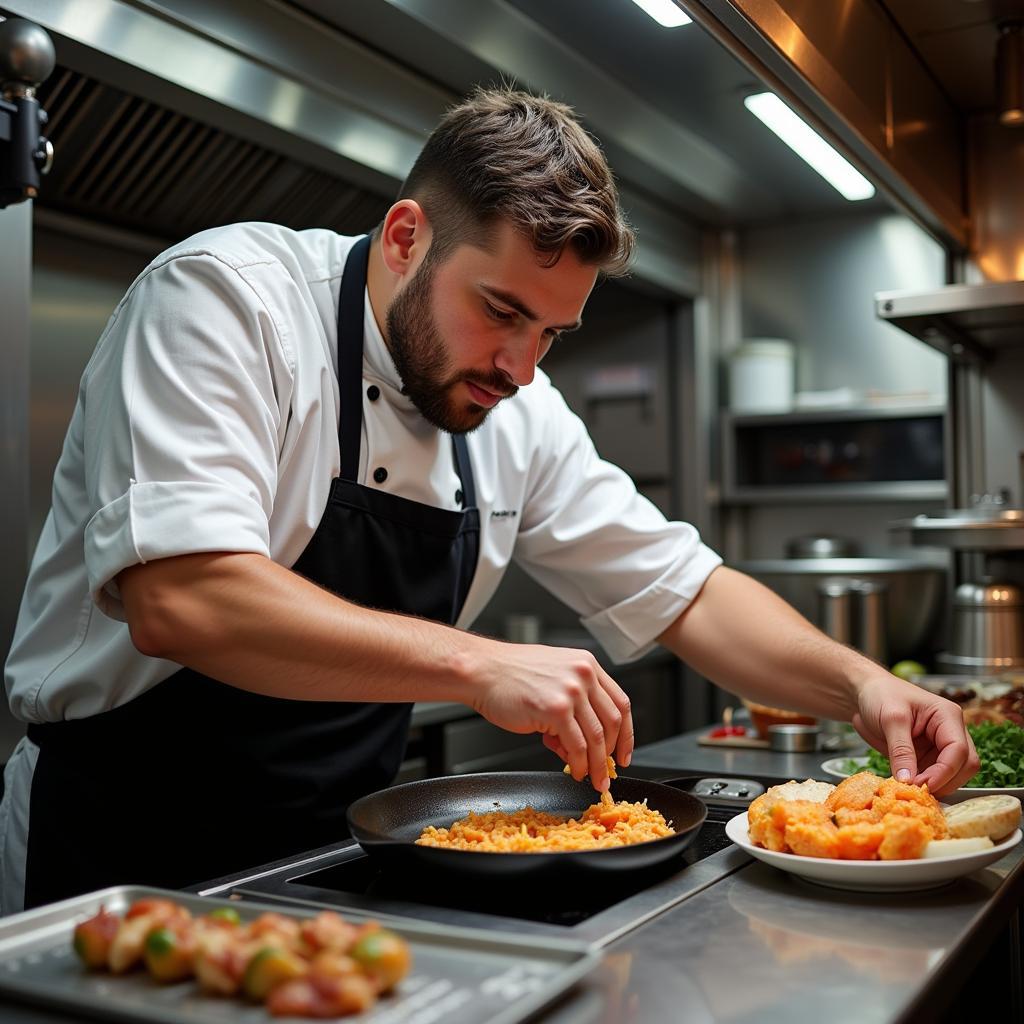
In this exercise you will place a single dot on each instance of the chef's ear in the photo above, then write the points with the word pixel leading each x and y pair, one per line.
pixel 405 237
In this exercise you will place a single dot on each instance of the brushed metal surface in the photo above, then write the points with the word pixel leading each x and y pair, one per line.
pixel 504 39
pixel 961 320
pixel 252 78
pixel 995 199
pixel 15 286
pixel 988 627
pixel 855 77
pixel 968 530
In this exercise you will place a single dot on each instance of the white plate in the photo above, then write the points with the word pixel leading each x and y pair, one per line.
pixel 871 875
pixel 834 766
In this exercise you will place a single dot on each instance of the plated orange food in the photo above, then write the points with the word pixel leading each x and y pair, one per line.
pixel 322 966
pixel 869 818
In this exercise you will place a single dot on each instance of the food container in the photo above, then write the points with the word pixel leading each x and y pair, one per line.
pixel 763 717
pixel 761 376
pixel 914 596
pixel 988 628
pixel 793 738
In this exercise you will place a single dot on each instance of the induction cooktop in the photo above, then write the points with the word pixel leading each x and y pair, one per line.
pixel 343 876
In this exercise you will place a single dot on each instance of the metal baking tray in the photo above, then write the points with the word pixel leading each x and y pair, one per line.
pixel 459 975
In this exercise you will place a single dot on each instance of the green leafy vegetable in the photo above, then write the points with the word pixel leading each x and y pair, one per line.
pixel 875 762
pixel 1000 748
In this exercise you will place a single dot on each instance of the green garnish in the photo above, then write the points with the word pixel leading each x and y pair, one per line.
pixel 1000 748
pixel 228 914
pixel 160 942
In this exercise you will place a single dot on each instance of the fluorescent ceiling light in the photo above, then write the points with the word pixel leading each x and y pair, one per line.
pixel 810 146
pixel 664 12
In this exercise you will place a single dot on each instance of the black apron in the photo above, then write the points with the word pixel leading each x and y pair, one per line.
pixel 194 778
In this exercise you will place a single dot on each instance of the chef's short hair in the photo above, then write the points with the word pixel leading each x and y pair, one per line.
pixel 503 154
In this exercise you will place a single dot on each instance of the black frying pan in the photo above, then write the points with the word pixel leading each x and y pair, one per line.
pixel 387 823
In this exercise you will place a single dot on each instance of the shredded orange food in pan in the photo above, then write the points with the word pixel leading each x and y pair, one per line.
pixel 602 825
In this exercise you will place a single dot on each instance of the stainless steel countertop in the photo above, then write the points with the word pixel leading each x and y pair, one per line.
pixel 762 947
pixel 686 753
pixel 759 946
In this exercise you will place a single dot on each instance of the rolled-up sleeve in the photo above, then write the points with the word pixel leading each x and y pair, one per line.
pixel 183 421
pixel 598 545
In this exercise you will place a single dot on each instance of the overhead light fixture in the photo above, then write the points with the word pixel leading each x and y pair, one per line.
pixel 1010 73
pixel 809 146
pixel 664 12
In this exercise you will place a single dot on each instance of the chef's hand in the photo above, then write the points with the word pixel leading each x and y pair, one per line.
pixel 564 694
pixel 922 734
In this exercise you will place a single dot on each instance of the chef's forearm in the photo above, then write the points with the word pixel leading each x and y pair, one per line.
pixel 246 621
pixel 748 640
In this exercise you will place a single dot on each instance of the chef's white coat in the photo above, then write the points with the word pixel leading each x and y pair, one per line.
pixel 207 420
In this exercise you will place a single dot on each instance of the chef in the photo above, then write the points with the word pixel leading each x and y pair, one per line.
pixel 297 468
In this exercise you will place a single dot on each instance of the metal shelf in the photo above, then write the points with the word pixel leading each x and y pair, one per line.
pixel 838 493
pixel 964 321
pixel 967 530
pixel 836 414
pixel 825 493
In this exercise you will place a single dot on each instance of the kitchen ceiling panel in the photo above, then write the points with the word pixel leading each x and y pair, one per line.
pixel 683 75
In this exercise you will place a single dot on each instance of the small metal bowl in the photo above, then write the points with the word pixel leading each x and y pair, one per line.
pixel 793 738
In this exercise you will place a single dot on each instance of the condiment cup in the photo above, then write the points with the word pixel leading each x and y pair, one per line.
pixel 790 738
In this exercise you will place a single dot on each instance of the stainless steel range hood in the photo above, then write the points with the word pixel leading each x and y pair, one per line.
pixel 172 115
pixel 965 321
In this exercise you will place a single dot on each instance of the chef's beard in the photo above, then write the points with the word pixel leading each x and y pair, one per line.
pixel 421 360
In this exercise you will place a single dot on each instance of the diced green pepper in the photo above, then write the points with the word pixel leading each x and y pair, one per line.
pixel 268 968
pixel 226 914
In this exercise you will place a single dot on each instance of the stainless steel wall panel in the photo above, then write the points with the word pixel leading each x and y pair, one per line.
pixel 15 285
pixel 853 76
pixel 813 282
pixel 825 305
pixel 997 198
pixel 668 249
pixel 1002 405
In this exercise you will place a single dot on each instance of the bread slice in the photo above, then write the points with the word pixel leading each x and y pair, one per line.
pixel 950 847
pixel 993 816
